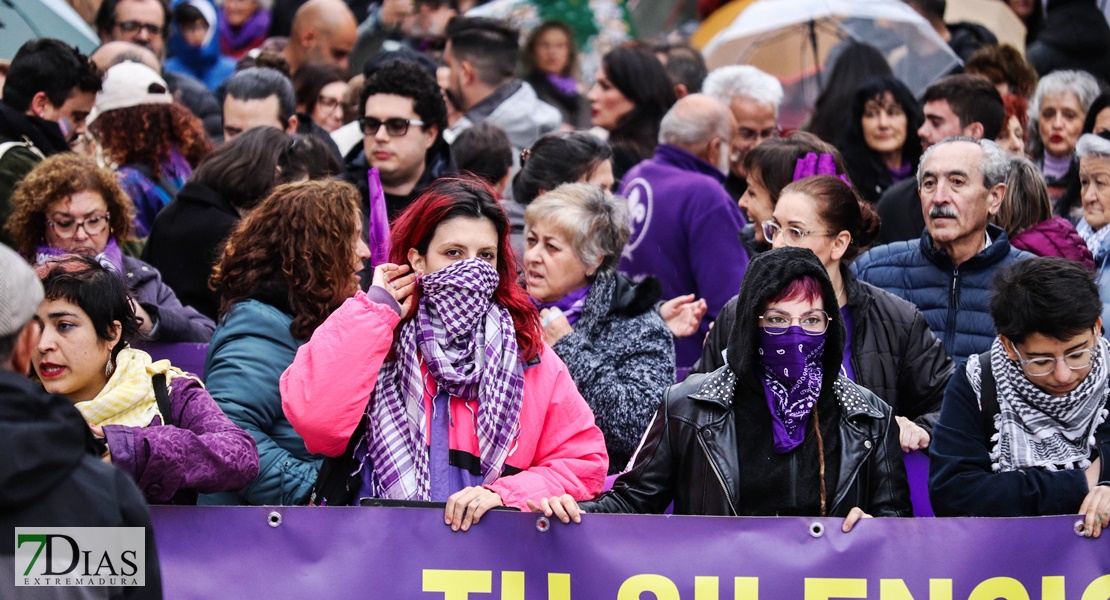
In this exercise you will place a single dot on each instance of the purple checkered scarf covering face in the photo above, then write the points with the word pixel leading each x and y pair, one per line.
pixel 469 345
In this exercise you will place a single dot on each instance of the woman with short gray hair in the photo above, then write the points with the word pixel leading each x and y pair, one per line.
pixel 605 328
pixel 1057 111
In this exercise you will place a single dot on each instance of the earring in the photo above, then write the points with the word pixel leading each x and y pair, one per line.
pixel 109 368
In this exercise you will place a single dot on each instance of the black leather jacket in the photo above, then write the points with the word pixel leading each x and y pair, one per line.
pixel 689 455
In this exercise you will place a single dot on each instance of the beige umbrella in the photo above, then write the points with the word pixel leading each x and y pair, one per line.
pixel 992 14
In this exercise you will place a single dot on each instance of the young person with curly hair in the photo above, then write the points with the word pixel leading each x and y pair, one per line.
pixel 286 267
pixel 68 205
pixel 152 142
pixel 436 385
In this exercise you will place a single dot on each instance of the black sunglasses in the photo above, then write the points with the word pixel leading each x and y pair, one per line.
pixel 395 127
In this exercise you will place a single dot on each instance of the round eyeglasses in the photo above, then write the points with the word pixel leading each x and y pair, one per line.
pixel 777 322
pixel 1040 367
pixel 67 228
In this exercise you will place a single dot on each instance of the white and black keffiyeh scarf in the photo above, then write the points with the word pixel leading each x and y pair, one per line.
pixel 468 343
pixel 1035 429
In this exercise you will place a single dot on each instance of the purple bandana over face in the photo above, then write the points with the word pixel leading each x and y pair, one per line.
pixel 791 374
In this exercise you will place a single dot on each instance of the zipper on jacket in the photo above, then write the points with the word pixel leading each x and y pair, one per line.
pixel 720 480
pixel 953 306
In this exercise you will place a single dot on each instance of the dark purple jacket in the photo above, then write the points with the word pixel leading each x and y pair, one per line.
pixel 686 233
pixel 1055 237
pixel 203 451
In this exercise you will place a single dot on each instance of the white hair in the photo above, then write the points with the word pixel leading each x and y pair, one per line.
pixel 1091 145
pixel 743 81
pixel 1078 83
pixel 994 165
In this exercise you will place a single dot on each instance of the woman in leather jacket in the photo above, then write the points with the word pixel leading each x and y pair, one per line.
pixel 775 432
pixel 889 348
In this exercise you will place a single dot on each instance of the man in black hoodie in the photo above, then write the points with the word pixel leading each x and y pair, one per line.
pixel 50 471
pixel 50 89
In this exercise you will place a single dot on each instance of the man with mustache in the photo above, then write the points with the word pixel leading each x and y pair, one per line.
pixel 946 273
pixel 967 105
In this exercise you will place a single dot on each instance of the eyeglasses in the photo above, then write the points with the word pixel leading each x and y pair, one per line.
pixel 776 322
pixel 1040 367
pixel 328 103
pixel 395 127
pixel 133 27
pixel 67 228
pixel 751 135
pixel 771 230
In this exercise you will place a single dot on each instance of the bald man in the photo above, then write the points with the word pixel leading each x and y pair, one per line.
pixel 324 31
pixel 685 226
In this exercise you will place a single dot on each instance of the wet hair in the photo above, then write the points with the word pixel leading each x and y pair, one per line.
pixel 773 162
pixel 854 65
pixel 556 159
pixel 528 56
pixel 973 99
pixel 685 65
pixel 1026 202
pixel 311 79
pixel 57 178
pixel 100 292
pixel 50 66
pixel 296 244
pixel 841 208
pixel 483 150
pixel 146 135
pixel 472 198
pixel 491 45
pixel 259 83
pixel 594 222
pixel 1052 296
pixel 1004 64
pixel 640 77
pixel 870 174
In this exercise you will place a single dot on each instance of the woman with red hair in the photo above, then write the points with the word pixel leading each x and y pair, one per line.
pixel 435 385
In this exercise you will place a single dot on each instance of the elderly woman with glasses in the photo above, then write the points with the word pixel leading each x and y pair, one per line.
pixel 889 349
pixel 777 430
pixel 68 205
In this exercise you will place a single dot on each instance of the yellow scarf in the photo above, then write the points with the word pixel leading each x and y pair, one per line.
pixel 128 397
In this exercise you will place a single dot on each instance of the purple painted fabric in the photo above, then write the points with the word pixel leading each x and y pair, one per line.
pixel 571 305
pixel 791 365
pixel 378 228
pixel 203 451
pixel 1055 237
pixel 849 327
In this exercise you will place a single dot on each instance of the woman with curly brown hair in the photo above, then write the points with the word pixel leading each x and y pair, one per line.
pixel 151 141
pixel 68 205
pixel 290 262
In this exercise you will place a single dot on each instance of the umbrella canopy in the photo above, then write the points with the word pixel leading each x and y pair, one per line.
pixel 992 14
pixel 714 23
pixel 794 39
pixel 22 20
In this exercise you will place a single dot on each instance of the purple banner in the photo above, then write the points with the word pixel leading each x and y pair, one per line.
pixel 346 552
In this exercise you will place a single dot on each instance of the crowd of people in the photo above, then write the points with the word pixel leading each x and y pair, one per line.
pixel 465 275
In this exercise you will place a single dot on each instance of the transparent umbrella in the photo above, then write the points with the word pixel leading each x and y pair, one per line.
pixel 794 40
pixel 22 20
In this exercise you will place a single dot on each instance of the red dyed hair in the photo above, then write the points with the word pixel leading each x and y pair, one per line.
pixel 1016 106
pixel 803 288
pixel 472 198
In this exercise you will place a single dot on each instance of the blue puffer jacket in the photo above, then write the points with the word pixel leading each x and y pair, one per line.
pixel 205 63
pixel 954 300
pixel 250 349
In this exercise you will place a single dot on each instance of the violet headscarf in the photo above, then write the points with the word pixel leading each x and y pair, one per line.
pixel 469 345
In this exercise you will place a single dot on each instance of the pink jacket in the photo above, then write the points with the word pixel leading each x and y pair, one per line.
pixel 559 449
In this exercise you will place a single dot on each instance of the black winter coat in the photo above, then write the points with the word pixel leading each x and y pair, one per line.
pixel 689 455
pixel 51 476
pixel 185 242
pixel 899 210
pixel 1075 36
pixel 894 353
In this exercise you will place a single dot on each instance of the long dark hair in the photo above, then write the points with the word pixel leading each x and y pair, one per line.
pixel 556 159
pixel 856 64
pixel 869 173
pixel 639 75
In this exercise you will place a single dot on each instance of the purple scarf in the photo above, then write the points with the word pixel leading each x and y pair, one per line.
pixel 791 365
pixel 571 304
pixel 111 258
pixel 567 86
pixel 469 345
pixel 254 29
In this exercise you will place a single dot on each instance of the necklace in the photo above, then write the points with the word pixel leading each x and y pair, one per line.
pixel 840 296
